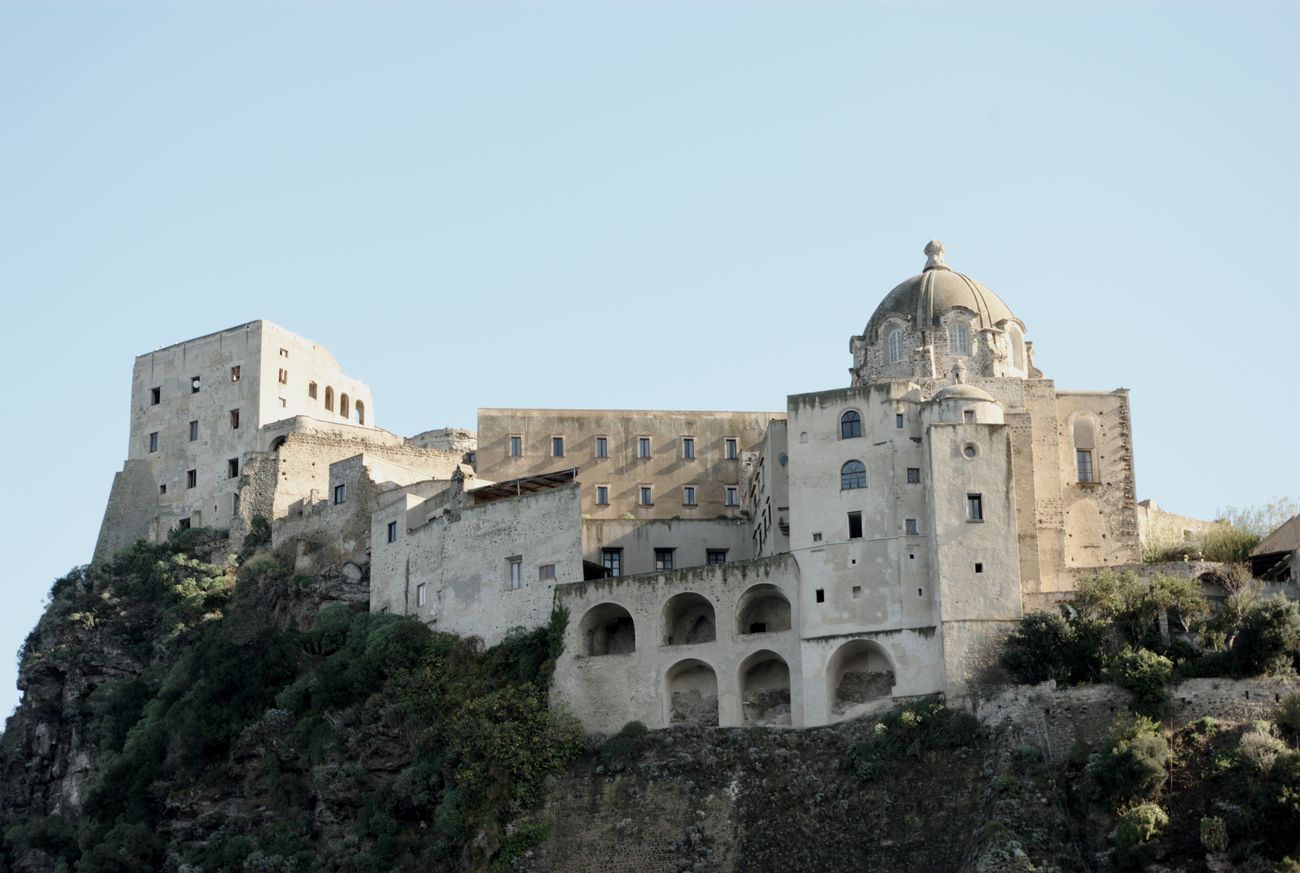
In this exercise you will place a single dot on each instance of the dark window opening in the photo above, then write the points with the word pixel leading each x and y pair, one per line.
pixel 155 396
pixel 913 475
pixel 850 425
pixel 194 385
pixel 758 627
pixel 663 559
pixel 821 595
pixel 191 478
pixel 979 568
pixel 612 559
pixel 183 524
pixel 974 507
pixel 392 531
pixel 855 525
pixel 234 373
pixel 715 556
pixel 194 431
pixel 234 419
pixel 232 468
pixel 340 493
pixel 898 420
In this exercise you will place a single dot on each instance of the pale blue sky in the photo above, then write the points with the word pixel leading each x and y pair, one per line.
pixel 680 205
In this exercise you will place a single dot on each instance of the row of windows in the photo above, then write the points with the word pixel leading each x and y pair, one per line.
pixel 665 559
pixel 192 476
pixel 958 343
pixel 345 403
pixel 645 495
pixel 194 431
pixel 851 424
pixel 730 447
pixel 911 526
pixel 854 475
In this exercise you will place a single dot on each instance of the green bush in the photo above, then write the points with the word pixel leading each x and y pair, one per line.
pixel 1134 766
pixel 1287 717
pixel 1146 676
pixel 623 747
pixel 913 731
pixel 1135 827
pixel 1228 544
pixel 1214 834
pixel 1269 639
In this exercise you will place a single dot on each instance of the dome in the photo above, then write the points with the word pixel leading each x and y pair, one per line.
pixel 962 392
pixel 924 297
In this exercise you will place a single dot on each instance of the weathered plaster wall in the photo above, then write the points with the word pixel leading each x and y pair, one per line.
pixel 690 540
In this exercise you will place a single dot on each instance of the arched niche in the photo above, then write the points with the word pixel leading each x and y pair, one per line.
pixel 361 412
pixel 692 688
pixel 689 618
pixel 765 689
pixel 329 399
pixel 762 609
pixel 345 410
pixel 859 672
pixel 607 629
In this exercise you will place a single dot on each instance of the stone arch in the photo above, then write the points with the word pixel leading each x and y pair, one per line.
pixel 763 608
pixel 345 410
pixel 692 692
pixel 689 618
pixel 277 442
pixel 607 629
pixel 1017 339
pixel 859 672
pixel 329 398
pixel 765 689
pixel 850 424
pixel 361 412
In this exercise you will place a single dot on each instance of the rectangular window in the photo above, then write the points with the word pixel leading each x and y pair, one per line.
pixel 1083 457
pixel 974 507
pixel 194 384
pixel 663 559
pixel 392 531
pixel 283 377
pixel 234 419
pixel 979 568
pixel 968 416
pixel 855 525
pixel 715 556
pixel 913 475
pixel 602 447
pixel 311 390
pixel 857 592
pixel 602 495
pixel 155 396
pixel 516 446
pixel 284 404
pixel 340 493
pixel 516 573
pixel 733 496
pixel 284 353
pixel 647 496
pixel 194 431
pixel 546 573
pixel 557 447
pixel 421 594
pixel 817 538
pixel 234 373
pixel 898 419
pixel 643 447
pixel 612 559
pixel 162 489
pixel 191 478
pixel 688 495
pixel 730 448
pixel 821 595
pixel 910 527
pixel 153 441
pixel 232 468
pixel 688 448
pixel 183 524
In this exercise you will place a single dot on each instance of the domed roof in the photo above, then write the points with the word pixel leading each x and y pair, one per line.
pixel 935 290
pixel 962 392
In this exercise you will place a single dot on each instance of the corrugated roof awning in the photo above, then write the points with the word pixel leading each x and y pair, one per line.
pixel 525 485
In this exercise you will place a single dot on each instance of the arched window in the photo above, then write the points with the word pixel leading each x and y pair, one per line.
pixel 1017 347
pixel 344 409
pixel 361 412
pixel 853 475
pixel 329 399
pixel 958 339
pixel 896 346
pixel 850 425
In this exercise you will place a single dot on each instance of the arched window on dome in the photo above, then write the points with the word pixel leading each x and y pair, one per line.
pixel 1017 341
pixel 853 475
pixel 958 339
pixel 850 425
pixel 896 345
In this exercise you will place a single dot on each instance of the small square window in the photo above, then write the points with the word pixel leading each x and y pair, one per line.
pixel 817 538
pixel 857 592
pixel 516 446
pixel 194 431
pixel 602 447
pixel 162 489
pixel 968 416
pixel 898 419
pixel 913 475
pixel 234 419
pixel 284 353
pixel 979 568
pixel 183 524
pixel 191 478
pixel 688 448
pixel 340 493
pixel 855 525
pixel 232 468
pixel 731 448
pixel 643 447
pixel 546 573
pixel 283 378
pixel 688 495
pixel 234 373
pixel 663 559
pixel 732 496
pixel 715 556
pixel 647 496
pixel 153 441
pixel 974 507
pixel 516 573
pixel 392 531
pixel 602 495
pixel 821 595
pixel 910 527
pixel 557 447
pixel 195 382
pixel 155 396
pixel 421 594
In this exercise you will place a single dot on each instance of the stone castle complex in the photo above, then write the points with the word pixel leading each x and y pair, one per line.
pixel 774 568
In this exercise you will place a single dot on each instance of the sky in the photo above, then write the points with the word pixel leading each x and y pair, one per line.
pixel 640 205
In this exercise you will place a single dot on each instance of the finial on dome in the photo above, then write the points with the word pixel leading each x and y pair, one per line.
pixel 934 255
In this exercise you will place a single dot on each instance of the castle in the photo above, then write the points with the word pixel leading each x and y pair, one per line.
pixel 794 568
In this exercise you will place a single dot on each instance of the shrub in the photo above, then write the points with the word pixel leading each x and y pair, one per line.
pixel 1214 834
pixel 1227 544
pixel 1146 676
pixel 913 731
pixel 1034 651
pixel 1133 768
pixel 1269 639
pixel 1260 748
pixel 622 748
pixel 1288 717
pixel 1135 828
